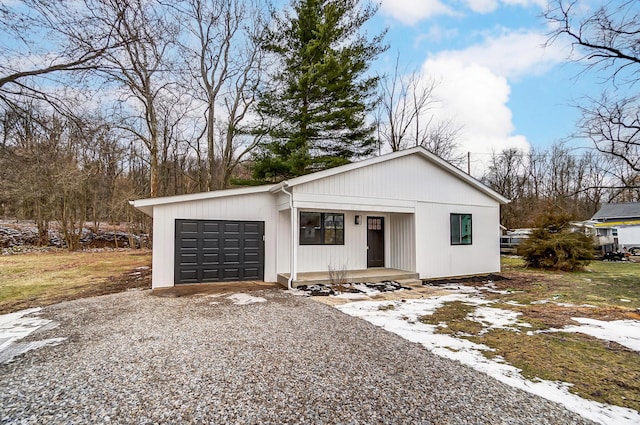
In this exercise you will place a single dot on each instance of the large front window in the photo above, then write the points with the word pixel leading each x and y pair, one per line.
pixel 321 228
pixel 460 229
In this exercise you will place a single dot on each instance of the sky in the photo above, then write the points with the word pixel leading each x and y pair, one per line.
pixel 495 76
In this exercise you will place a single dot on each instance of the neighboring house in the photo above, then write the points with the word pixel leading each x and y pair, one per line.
pixel 407 210
pixel 619 223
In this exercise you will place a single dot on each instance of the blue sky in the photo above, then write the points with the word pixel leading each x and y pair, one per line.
pixel 496 78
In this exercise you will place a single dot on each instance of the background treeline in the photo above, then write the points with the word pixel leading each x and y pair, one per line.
pixel 576 181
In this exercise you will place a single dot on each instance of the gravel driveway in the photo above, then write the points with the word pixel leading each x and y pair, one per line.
pixel 137 358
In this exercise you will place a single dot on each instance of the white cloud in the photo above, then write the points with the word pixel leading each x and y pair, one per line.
pixel 511 54
pixel 410 12
pixel 474 97
pixel 482 6
pixel 488 6
pixel 474 88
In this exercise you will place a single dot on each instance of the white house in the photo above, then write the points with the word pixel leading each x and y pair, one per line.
pixel 408 210
pixel 620 222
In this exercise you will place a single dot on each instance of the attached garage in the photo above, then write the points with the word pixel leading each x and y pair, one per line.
pixel 218 251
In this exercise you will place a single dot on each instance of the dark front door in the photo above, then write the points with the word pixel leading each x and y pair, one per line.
pixel 218 251
pixel 375 241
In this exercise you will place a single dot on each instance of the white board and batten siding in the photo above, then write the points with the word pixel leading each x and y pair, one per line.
pixel 250 207
pixel 416 200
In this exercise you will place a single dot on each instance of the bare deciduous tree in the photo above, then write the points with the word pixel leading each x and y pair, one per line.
pixel 606 42
pixel 143 68
pixel 73 45
pixel 404 101
pixel 404 118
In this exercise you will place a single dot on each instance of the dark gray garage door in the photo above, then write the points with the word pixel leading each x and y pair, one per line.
pixel 219 251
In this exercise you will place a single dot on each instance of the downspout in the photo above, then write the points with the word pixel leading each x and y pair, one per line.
pixel 293 256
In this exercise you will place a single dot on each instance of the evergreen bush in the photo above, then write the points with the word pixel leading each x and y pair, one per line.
pixel 553 246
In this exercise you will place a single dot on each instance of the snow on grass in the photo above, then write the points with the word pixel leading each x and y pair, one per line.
pixel 244 299
pixel 401 318
pixel 624 332
pixel 17 326
pixel 497 318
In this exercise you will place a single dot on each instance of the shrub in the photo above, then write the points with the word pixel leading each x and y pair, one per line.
pixel 553 246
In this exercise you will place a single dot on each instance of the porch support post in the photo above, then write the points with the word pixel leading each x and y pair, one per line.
pixel 295 236
pixel 293 260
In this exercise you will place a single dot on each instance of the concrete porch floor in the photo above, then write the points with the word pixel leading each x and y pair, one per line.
pixel 372 275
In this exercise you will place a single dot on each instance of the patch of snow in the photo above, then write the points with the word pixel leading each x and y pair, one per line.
pixel 244 299
pixel 19 325
pixel 461 288
pixel 403 320
pixel 624 332
pixel 496 318
pixel 364 289
pixel 352 296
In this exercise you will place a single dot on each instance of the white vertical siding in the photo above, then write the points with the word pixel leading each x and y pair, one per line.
pixel 254 207
pixel 284 242
pixel 436 257
pixel 352 254
pixel 402 242
pixel 407 178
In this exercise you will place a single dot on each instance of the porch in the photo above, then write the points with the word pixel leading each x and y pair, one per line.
pixel 371 275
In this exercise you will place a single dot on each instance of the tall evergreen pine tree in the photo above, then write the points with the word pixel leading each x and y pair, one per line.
pixel 318 100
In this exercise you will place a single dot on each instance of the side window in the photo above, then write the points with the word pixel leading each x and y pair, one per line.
pixel 461 229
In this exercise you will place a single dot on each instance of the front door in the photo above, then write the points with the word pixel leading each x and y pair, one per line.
pixel 375 241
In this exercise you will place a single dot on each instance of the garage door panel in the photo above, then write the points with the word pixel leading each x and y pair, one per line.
pixel 252 274
pixel 211 243
pixel 252 243
pixel 210 274
pixel 251 258
pixel 232 227
pixel 251 228
pixel 188 258
pixel 210 227
pixel 189 276
pixel 231 274
pixel 231 243
pixel 189 243
pixel 212 258
pixel 218 250
pixel 189 227
pixel 232 258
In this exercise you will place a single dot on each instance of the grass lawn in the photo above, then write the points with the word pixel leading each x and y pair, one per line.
pixel 599 370
pixel 39 279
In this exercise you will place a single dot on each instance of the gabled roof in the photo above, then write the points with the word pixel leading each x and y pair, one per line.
pixel 418 150
pixel 146 205
pixel 617 211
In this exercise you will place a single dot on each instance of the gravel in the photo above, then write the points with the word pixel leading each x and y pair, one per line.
pixel 137 358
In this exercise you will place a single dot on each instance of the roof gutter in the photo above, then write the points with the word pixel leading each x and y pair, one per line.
pixel 293 253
